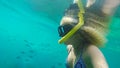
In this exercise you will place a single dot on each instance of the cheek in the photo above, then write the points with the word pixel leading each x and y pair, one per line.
pixel 73 40
pixel 66 43
pixel 69 41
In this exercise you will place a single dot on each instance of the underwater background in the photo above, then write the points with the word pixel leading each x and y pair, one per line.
pixel 29 37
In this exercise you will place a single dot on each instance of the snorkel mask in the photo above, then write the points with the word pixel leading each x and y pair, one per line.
pixel 66 31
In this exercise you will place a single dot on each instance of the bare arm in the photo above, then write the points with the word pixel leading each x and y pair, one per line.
pixel 108 7
pixel 97 57
pixel 90 2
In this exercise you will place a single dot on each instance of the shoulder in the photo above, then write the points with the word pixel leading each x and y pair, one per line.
pixel 93 51
pixel 97 58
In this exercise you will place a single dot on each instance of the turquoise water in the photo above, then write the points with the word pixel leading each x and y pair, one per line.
pixel 28 35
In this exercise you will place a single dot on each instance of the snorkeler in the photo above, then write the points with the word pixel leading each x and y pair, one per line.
pixel 83 30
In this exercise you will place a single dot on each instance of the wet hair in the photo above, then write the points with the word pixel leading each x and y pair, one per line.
pixel 72 11
pixel 94 29
pixel 95 26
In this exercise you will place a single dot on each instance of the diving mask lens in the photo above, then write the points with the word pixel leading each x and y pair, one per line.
pixel 64 29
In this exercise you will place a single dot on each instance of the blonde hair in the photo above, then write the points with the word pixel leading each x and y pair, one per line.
pixel 92 32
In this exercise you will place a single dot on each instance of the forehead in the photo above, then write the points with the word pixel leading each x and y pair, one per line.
pixel 68 20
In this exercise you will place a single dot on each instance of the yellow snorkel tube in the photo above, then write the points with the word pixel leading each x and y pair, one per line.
pixel 80 23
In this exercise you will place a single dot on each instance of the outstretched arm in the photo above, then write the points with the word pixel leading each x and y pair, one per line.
pixel 90 2
pixel 108 6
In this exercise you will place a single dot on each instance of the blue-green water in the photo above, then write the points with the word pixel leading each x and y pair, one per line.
pixel 28 35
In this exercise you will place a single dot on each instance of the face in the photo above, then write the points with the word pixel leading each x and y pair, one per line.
pixel 73 40
pixel 69 41
pixel 67 23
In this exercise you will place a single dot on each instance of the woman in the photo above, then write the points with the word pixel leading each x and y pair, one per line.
pixel 83 45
